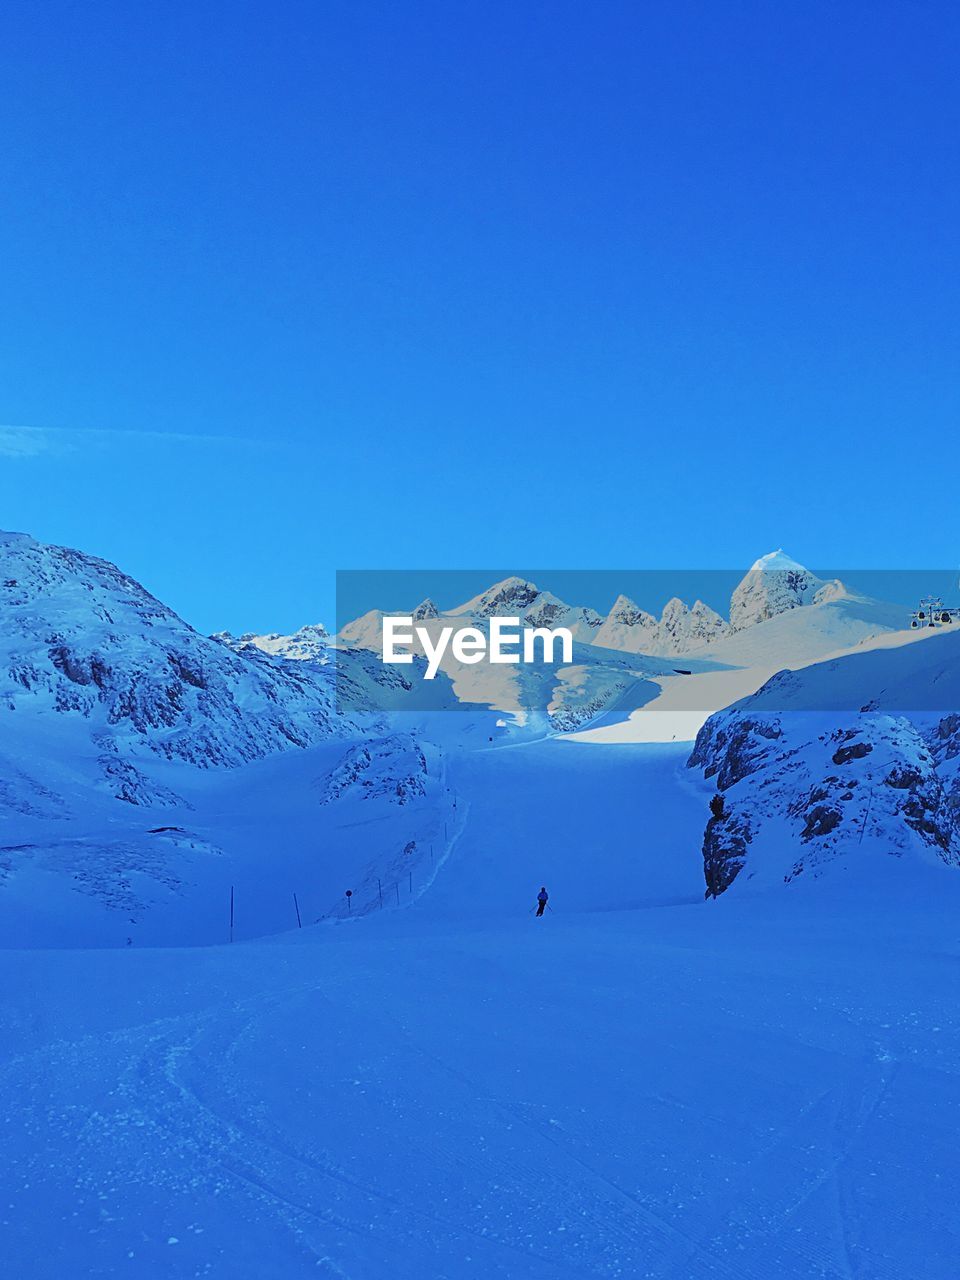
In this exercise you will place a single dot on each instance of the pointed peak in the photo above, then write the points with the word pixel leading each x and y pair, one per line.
pixel 512 593
pixel 777 561
pixel 674 606
pixel 623 604
pixel 513 583
pixel 704 610
pixel 424 610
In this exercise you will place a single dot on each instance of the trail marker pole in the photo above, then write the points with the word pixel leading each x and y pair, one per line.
pixel 380 892
pixel 296 907
pixel 397 887
pixel 863 826
pixel 231 913
pixel 348 895
pixel 411 882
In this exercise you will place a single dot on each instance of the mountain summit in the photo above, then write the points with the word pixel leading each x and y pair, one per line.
pixel 774 584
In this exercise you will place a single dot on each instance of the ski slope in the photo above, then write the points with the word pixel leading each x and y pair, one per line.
pixel 762 1090
pixel 641 1084
pixel 602 828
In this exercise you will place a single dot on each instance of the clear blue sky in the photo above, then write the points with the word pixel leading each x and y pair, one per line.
pixel 296 287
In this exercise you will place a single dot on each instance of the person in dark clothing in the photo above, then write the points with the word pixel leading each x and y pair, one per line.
pixel 542 897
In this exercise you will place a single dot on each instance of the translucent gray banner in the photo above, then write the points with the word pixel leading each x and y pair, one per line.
pixel 561 650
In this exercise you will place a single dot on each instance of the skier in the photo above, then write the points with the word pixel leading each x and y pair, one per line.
pixel 542 897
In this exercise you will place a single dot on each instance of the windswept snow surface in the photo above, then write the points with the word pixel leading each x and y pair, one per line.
pixel 763 1090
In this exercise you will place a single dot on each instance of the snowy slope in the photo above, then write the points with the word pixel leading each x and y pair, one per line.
pixel 798 636
pixel 425 1081
pixel 742 662
pixel 738 1091
pixel 121 730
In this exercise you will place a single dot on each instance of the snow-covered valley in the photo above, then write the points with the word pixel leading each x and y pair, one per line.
pixel 419 1078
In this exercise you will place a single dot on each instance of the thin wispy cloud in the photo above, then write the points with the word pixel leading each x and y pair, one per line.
pixel 36 442
pixel 24 442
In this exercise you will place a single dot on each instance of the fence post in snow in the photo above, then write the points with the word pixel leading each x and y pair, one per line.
pixel 380 892
pixel 296 907
pixel 231 913
pixel 397 887
pixel 411 882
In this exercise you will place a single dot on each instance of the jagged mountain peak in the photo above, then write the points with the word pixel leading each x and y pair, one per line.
pixel 628 613
pixel 775 583
pixel 512 594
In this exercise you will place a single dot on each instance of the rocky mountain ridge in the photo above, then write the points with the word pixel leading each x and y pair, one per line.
pixel 774 585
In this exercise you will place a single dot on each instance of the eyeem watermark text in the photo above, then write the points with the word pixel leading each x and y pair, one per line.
pixel 507 642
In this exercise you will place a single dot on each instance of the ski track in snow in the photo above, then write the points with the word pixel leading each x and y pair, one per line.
pixel 340 1128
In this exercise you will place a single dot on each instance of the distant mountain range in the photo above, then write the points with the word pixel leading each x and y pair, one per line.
pixel 774 585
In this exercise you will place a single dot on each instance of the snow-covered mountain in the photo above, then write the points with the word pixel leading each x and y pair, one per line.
pixel 122 728
pixel 775 584
pixel 310 644
pixel 81 639
pixel 517 598
pixel 785 617
pixel 107 696
pixel 679 630
pixel 89 658
pixel 835 763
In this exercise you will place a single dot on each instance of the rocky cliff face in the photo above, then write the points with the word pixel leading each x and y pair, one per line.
pixel 802 786
pixel 684 630
pixel 393 768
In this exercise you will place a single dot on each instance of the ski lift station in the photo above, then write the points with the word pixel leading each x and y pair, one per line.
pixel 932 612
